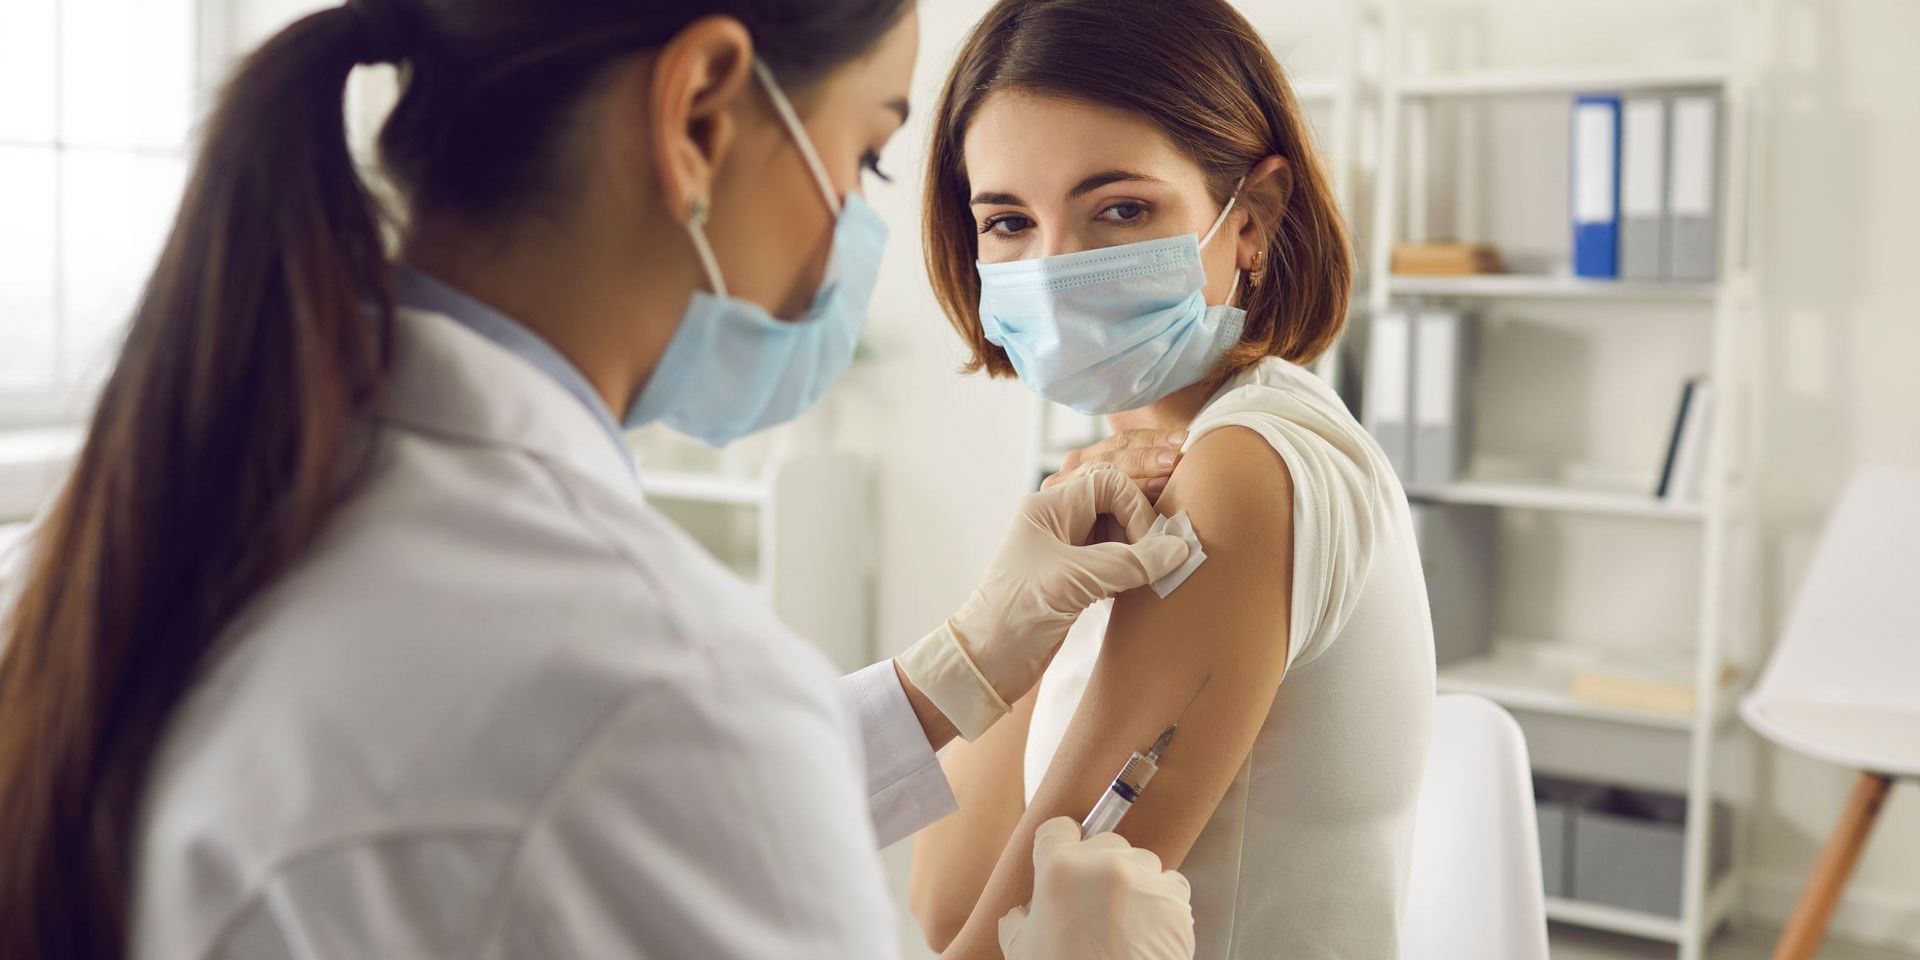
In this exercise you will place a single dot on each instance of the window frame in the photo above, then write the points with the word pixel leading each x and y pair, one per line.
pixel 70 400
pixel 41 430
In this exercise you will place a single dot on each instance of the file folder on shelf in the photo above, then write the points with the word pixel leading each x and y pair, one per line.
pixel 1457 553
pixel 1693 204
pixel 1688 482
pixel 1643 188
pixel 1596 186
pixel 1386 401
pixel 1440 351
pixel 1682 478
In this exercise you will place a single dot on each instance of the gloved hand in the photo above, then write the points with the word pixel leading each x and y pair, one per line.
pixel 1098 899
pixel 994 649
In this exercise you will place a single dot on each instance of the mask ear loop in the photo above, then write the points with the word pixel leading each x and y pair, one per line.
pixel 1220 221
pixel 784 108
pixel 697 216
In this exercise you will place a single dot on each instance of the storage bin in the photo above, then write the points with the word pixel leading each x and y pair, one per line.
pixel 1629 851
pixel 1554 803
pixel 1555 819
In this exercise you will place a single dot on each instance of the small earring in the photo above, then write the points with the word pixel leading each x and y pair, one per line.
pixel 697 212
pixel 1259 271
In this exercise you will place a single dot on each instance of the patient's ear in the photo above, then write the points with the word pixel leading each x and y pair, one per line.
pixel 1264 196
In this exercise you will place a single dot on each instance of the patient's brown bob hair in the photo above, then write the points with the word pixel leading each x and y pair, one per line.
pixel 1200 73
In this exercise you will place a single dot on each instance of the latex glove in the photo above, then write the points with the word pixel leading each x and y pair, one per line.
pixel 1098 899
pixel 994 649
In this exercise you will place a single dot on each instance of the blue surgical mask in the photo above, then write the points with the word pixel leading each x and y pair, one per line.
pixel 733 368
pixel 1114 328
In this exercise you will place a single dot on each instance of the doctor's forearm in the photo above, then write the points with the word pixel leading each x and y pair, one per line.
pixel 939 729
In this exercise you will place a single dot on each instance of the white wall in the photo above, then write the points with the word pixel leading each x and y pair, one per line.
pixel 1840 342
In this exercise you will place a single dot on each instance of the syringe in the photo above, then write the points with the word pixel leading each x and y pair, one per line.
pixel 1126 787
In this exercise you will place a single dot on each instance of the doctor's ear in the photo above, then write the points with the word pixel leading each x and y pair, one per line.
pixel 695 81
pixel 1264 197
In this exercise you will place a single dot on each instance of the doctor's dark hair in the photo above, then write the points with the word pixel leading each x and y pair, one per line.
pixel 1201 74
pixel 236 419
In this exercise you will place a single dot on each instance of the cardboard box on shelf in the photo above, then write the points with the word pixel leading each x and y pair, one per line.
pixel 1444 259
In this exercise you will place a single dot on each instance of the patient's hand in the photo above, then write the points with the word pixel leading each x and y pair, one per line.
pixel 1148 456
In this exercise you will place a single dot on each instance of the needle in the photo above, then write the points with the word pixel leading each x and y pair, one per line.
pixel 1166 736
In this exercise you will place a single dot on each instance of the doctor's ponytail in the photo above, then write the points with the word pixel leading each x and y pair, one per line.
pixel 223 438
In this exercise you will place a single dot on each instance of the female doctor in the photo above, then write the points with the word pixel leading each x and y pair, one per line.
pixel 352 635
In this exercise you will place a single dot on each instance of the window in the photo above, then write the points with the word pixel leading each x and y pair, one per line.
pixel 98 100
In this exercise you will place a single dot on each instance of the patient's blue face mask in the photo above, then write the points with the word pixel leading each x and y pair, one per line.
pixel 1114 328
pixel 733 368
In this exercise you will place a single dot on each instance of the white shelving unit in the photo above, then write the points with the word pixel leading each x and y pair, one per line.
pixel 1515 496
pixel 1541 684
pixel 1695 754
pixel 689 486
pixel 775 530
pixel 1520 287
pixel 1508 83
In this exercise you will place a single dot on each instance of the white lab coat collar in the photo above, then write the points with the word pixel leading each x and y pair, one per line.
pixel 449 380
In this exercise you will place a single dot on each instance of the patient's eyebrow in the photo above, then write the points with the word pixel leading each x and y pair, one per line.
pixel 1105 177
pixel 1081 189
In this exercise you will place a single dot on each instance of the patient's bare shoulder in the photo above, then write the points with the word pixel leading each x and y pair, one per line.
pixel 1239 493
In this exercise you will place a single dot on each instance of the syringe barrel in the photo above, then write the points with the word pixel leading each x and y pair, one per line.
pixel 1119 797
pixel 1105 816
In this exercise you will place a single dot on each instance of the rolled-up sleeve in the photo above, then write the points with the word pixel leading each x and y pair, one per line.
pixel 906 789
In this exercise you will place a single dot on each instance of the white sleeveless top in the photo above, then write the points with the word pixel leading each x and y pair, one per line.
pixel 1306 856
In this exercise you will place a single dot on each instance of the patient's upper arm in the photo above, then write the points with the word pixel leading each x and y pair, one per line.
pixel 1225 627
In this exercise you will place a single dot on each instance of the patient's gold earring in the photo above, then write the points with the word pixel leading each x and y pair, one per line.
pixel 1259 271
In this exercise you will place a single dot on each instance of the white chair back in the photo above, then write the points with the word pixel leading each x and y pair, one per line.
pixel 1841 684
pixel 1853 636
pixel 1474 890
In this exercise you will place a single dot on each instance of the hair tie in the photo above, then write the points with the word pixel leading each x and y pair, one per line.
pixel 385 32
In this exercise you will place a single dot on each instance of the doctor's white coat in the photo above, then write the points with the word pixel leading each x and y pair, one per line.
pixel 505 709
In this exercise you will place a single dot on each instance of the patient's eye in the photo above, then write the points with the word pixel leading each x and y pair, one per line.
pixel 1125 211
pixel 870 161
pixel 1005 224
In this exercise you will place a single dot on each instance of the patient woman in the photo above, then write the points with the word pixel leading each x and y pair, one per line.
pixel 1125 210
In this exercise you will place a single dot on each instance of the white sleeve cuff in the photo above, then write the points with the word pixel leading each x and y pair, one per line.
pixel 906 789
